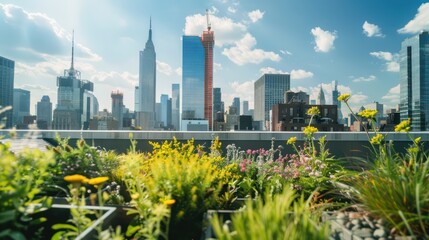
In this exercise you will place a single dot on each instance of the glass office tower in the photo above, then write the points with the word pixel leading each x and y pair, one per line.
pixel 414 70
pixel 7 73
pixel 192 78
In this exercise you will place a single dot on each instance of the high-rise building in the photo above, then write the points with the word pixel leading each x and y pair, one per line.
pixel 175 106
pixel 217 103
pixel 321 97
pixel 335 95
pixel 236 104
pixel 118 108
pixel 136 99
pixel 44 113
pixel 269 90
pixel 197 78
pixel 245 108
pixel 193 78
pixel 21 105
pixel 7 73
pixel 76 103
pixel 147 84
pixel 208 43
pixel 165 110
pixel 414 85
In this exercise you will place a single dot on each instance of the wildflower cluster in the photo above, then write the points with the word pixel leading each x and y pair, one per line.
pixel 309 130
pixel 377 139
pixel 404 126
pixel 344 97
pixel 368 113
pixel 313 111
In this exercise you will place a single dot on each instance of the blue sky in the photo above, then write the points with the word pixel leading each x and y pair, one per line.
pixel 354 42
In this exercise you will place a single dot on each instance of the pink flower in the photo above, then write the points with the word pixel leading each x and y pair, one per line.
pixel 249 151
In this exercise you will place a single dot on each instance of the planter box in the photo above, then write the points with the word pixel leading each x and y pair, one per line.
pixel 60 213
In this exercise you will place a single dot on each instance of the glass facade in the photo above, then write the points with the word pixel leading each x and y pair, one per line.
pixel 414 71
pixel 192 78
pixel 269 90
pixel 7 73
pixel 44 113
pixel 21 105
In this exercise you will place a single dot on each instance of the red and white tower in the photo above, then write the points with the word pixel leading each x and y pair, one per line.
pixel 208 42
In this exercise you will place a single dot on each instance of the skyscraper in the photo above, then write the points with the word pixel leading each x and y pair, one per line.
pixel 414 85
pixel 335 101
pixel 218 109
pixel 21 105
pixel 44 113
pixel 175 106
pixel 118 108
pixel 197 77
pixel 165 110
pixel 236 105
pixel 208 43
pixel 269 90
pixel 147 85
pixel 193 57
pixel 76 102
pixel 7 73
pixel 321 97
pixel 245 108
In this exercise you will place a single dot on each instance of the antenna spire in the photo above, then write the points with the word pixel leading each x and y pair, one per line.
pixel 72 58
pixel 150 28
pixel 209 25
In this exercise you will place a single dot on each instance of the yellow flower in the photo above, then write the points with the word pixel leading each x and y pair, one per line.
pixel 97 180
pixel 368 113
pixel 376 140
pixel 291 141
pixel 404 126
pixel 313 111
pixel 76 178
pixel 344 97
pixel 417 140
pixel 169 202
pixel 135 196
pixel 309 130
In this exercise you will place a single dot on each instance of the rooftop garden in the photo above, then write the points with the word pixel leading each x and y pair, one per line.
pixel 188 191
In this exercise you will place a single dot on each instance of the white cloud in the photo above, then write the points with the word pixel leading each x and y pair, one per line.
pixel 267 70
pixel 387 56
pixel 324 39
pixel 38 32
pixel 419 22
pixel 227 31
pixel 393 95
pixel 116 79
pixel 365 79
pixel 256 15
pixel 392 64
pixel 217 67
pixel 178 71
pixel 231 9
pixel 371 30
pixel 244 52
pixel 294 74
pixel 163 68
pixel 285 52
pixel 300 74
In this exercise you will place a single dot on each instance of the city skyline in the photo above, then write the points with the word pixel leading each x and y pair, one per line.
pixel 357 46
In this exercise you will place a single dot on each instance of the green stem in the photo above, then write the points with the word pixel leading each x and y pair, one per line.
pixel 357 119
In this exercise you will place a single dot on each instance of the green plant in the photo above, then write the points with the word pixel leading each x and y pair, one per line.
pixel 396 187
pixel 179 171
pixel 282 216
pixel 84 159
pixel 21 180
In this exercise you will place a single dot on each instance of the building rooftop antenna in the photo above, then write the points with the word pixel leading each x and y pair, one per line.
pixel 72 58
pixel 209 25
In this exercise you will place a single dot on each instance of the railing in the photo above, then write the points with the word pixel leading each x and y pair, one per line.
pixel 340 144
